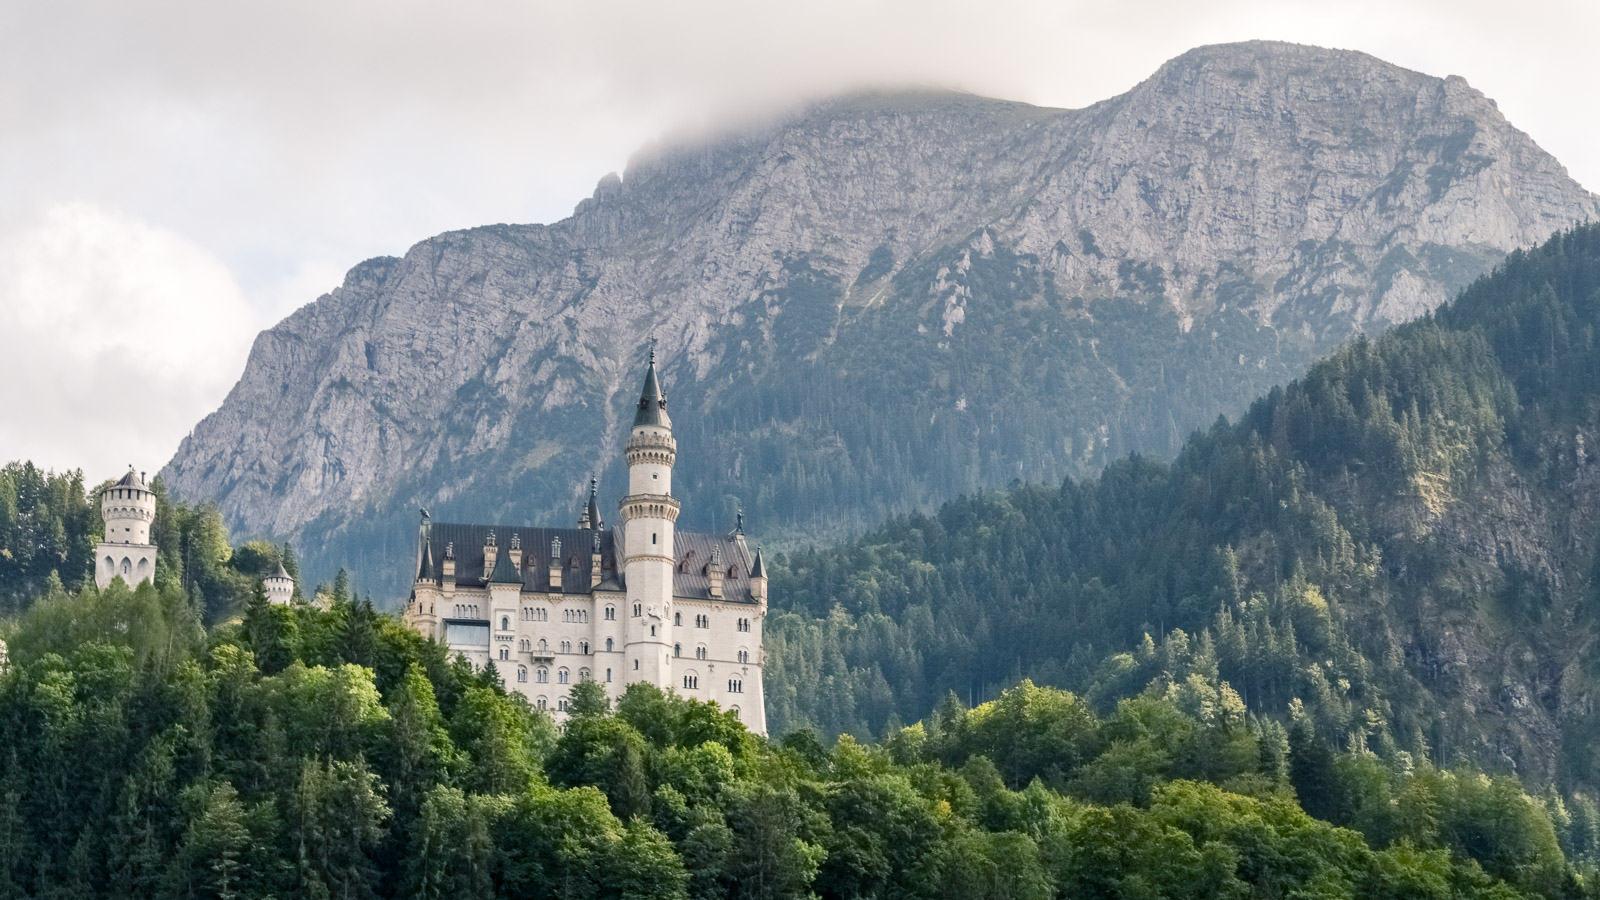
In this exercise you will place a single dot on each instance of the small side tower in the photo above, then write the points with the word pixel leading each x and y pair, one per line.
pixel 649 517
pixel 280 587
pixel 128 508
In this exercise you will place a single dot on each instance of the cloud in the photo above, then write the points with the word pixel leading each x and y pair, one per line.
pixel 121 335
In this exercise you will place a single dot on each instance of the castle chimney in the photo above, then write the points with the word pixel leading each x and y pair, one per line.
pixel 447 570
pixel 490 552
pixel 714 573
pixel 555 565
pixel 516 551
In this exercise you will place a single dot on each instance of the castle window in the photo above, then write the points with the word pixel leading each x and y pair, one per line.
pixel 561 704
pixel 505 623
pixel 702 621
pixel 608 676
pixel 691 682
pixel 583 674
pixel 677 649
pixel 608 645
pixel 542 701
pixel 541 675
pixel 611 613
pixel 127 566
pixel 636 665
pixel 652 537
pixel 636 610
pixel 544 646
pixel 735 711
pixel 563 676
pixel 744 656
pixel 677 618
pixel 505 653
pixel 652 631
pixel 700 652
pixel 735 686
pixel 583 647
pixel 522 673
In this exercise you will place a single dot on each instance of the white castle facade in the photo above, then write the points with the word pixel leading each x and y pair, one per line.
pixel 641 601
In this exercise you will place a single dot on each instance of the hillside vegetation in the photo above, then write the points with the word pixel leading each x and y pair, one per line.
pixel 320 754
pixel 1401 544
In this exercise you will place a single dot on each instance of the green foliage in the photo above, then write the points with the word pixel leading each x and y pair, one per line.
pixel 1368 542
pixel 147 757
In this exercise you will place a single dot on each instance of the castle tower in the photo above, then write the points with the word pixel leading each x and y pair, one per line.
pixel 649 516
pixel 128 508
pixel 279 586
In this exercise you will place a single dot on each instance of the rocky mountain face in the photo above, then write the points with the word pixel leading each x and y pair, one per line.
pixel 880 301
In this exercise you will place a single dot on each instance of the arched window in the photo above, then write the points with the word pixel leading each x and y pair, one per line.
pixel 522 673
pixel 735 711
pixel 611 613
pixel 735 686
pixel 544 646
pixel 608 645
pixel 677 649
pixel 541 675
pixel 127 566
pixel 561 704
pixel 636 665
pixel 608 676
pixel 583 674
pixel 677 618
pixel 111 564
pixel 583 647
pixel 566 646
pixel 691 682
pixel 541 702
pixel 505 623
pixel 652 631
pixel 562 676
pixel 636 608
pixel 744 656
pixel 700 652
pixel 505 652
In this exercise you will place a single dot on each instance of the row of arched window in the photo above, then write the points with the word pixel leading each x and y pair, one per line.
pixel 575 615
pixel 466 610
pixel 744 624
pixel 735 685
pixel 541 675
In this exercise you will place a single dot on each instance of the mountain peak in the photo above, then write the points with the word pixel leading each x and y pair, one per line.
pixel 887 297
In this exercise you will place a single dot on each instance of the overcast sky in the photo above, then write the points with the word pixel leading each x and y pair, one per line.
pixel 175 177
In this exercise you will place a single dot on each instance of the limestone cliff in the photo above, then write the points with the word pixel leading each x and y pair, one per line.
pixel 880 300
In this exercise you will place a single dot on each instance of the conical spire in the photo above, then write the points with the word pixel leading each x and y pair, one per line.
pixel 505 571
pixel 757 569
pixel 652 402
pixel 593 512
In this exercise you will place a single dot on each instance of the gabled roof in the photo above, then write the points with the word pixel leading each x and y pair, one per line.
pixel 505 572
pixel 467 542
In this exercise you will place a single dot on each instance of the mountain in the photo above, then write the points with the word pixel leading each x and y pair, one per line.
pixel 1404 544
pixel 879 301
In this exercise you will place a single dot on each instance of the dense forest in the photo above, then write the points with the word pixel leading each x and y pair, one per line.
pixel 307 752
pixel 1401 545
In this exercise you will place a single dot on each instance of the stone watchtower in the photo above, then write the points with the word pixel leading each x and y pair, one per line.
pixel 128 508
pixel 649 517
pixel 279 586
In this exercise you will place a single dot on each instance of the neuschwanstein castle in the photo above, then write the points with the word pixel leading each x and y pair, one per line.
pixel 640 601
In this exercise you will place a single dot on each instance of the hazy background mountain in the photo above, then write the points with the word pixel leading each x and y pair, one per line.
pixel 880 301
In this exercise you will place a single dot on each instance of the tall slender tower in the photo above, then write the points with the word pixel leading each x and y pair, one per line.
pixel 128 508
pixel 649 517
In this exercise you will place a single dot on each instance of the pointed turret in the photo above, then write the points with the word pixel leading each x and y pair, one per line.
pixel 652 402
pixel 594 505
pixel 757 570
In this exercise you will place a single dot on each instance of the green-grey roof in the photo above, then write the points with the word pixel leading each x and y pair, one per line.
pixel 652 402
pixel 505 572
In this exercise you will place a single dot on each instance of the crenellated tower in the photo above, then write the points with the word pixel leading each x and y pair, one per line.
pixel 128 508
pixel 649 517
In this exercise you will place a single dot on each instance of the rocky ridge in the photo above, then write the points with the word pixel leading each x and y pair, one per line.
pixel 877 301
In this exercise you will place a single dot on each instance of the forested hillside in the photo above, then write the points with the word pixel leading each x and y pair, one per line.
pixel 49 524
pixel 336 754
pixel 1401 545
